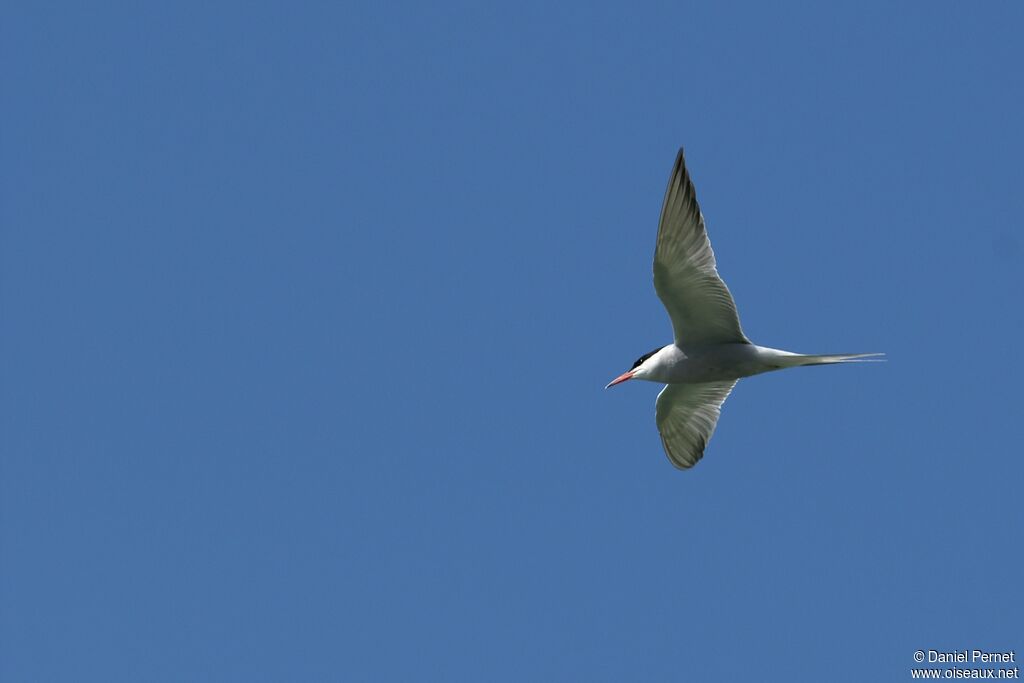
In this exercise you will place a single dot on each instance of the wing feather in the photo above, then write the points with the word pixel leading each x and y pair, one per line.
pixel 686 415
pixel 685 273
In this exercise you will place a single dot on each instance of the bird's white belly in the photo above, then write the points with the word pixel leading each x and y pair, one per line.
pixel 713 364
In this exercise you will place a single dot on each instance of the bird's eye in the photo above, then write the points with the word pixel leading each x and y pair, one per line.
pixel 641 359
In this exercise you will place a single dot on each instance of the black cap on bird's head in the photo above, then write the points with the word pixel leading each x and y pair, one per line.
pixel 640 361
pixel 629 374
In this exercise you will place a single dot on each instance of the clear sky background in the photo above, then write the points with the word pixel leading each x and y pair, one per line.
pixel 305 315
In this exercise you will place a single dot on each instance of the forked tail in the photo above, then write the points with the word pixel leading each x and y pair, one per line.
pixel 800 359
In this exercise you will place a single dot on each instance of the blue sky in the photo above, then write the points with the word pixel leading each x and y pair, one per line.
pixel 306 314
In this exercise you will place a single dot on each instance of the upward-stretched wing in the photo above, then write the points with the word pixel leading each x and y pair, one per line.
pixel 685 276
pixel 686 416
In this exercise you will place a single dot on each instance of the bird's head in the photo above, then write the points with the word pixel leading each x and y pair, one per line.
pixel 640 370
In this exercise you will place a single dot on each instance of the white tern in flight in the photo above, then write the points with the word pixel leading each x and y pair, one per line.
pixel 710 353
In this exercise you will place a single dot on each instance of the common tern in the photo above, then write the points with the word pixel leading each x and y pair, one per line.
pixel 709 353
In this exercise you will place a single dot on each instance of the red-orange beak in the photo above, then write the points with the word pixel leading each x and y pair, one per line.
pixel 620 379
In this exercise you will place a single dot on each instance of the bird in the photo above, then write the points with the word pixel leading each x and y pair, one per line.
pixel 709 353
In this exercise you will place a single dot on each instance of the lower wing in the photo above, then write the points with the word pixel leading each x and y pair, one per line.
pixel 686 416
